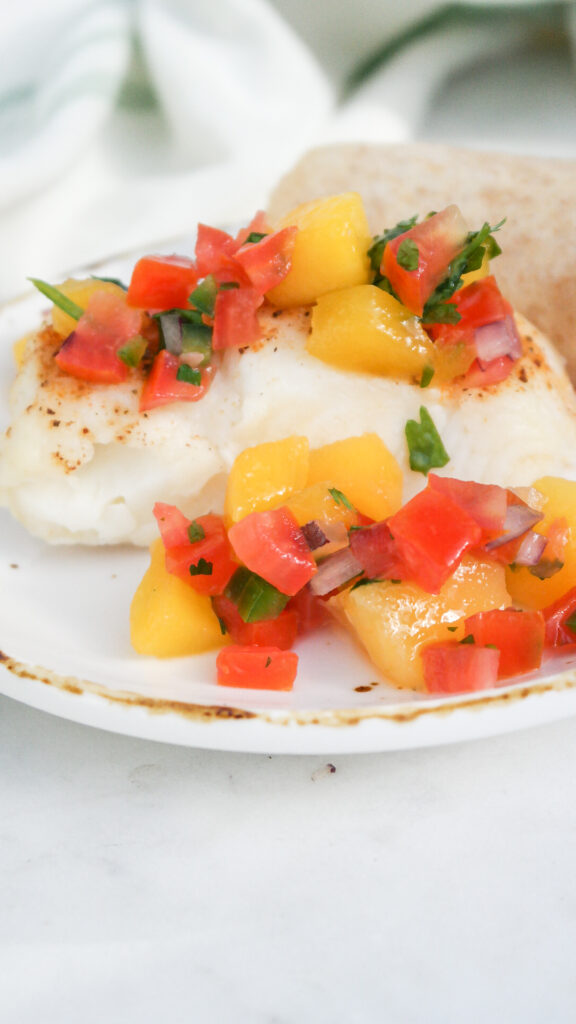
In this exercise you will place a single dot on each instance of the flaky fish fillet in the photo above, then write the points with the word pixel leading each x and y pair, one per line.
pixel 80 464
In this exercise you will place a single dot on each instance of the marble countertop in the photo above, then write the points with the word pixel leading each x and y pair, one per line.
pixel 147 882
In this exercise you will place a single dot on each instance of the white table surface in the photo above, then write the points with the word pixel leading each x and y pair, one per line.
pixel 146 882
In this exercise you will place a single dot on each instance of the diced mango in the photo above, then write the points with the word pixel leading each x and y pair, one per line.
pixel 168 619
pixel 330 251
pixel 394 620
pixel 559 502
pixel 265 475
pixel 79 291
pixel 366 329
pixel 316 502
pixel 364 470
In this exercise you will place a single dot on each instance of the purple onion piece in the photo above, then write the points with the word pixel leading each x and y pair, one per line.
pixel 519 519
pixel 338 568
pixel 171 328
pixel 531 549
pixel 497 339
pixel 314 534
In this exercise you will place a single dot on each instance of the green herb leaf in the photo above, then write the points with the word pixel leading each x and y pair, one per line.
pixel 255 598
pixel 441 313
pixel 196 532
pixel 202 568
pixel 451 629
pixel 188 374
pixel 427 374
pixel 379 242
pixel 58 298
pixel 204 295
pixel 571 622
pixel 254 237
pixel 425 444
pixel 546 568
pixel 131 353
pixel 468 639
pixel 227 286
pixel 408 255
pixel 268 661
pixel 478 244
pixel 340 498
pixel 364 582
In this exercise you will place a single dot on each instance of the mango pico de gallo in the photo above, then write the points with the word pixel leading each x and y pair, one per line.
pixel 416 302
pixel 464 586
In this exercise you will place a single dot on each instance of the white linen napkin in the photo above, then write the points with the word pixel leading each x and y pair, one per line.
pixel 123 122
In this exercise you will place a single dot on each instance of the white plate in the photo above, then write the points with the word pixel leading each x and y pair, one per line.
pixel 65 649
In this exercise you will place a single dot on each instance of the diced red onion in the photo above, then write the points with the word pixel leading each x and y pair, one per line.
pixel 531 549
pixel 337 569
pixel 497 339
pixel 171 328
pixel 314 534
pixel 519 519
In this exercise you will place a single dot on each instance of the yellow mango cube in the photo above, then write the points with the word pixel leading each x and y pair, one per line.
pixel 364 470
pixel 559 502
pixel 168 619
pixel 79 291
pixel 393 621
pixel 330 251
pixel 265 475
pixel 317 502
pixel 366 329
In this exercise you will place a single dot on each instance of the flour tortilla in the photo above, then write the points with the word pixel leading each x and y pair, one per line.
pixel 537 268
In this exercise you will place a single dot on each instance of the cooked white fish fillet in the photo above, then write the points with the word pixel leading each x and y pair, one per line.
pixel 80 464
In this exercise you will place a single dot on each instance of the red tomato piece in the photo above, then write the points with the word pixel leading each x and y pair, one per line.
pixel 459 668
pixel 556 617
pixel 259 224
pixel 267 262
pixel 162 386
pixel 256 668
pixel 478 304
pixel 493 373
pixel 235 322
pixel 311 611
pixel 432 533
pixel 438 239
pixel 162 282
pixel 214 249
pixel 272 545
pixel 206 565
pixel 279 632
pixel 519 636
pixel 485 503
pixel 91 351
pixel 377 552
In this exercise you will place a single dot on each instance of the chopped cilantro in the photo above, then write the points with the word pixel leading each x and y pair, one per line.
pixel 131 353
pixel 438 309
pixel 571 622
pixel 427 374
pixel 58 298
pixel 425 444
pixel 451 629
pixel 364 582
pixel 268 662
pixel 408 255
pixel 546 568
pixel 379 242
pixel 202 568
pixel 110 280
pixel 188 374
pixel 254 237
pixel 468 639
pixel 196 531
pixel 226 286
pixel 340 498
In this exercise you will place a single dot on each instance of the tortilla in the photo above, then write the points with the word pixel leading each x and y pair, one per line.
pixel 537 268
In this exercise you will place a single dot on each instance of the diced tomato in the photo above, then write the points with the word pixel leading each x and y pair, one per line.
pixel 432 533
pixel 207 564
pixel 162 386
pixel 493 373
pixel 279 632
pixel 485 503
pixel 172 523
pixel 267 262
pixel 272 545
pixel 91 351
pixel 214 248
pixel 459 668
pixel 519 636
pixel 556 618
pixel 478 304
pixel 257 668
pixel 235 321
pixel 162 282
pixel 311 610
pixel 439 239
pixel 377 552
